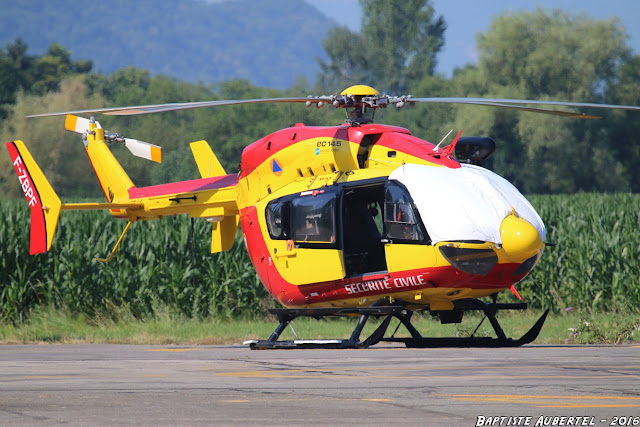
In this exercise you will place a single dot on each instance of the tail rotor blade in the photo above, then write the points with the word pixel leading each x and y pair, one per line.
pixel 144 149
pixel 78 124
pixel 138 148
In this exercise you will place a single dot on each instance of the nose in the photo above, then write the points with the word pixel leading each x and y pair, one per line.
pixel 520 239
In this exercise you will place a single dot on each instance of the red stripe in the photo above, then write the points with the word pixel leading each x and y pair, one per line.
pixel 184 186
pixel 418 148
pixel 38 232
pixel 368 285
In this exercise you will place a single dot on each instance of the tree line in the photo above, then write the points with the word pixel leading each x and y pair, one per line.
pixel 548 55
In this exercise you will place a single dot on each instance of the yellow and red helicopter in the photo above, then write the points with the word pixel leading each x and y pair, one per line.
pixel 356 219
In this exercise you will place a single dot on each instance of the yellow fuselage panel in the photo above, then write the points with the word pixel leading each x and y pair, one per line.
pixel 307 159
pixel 403 257
pixel 300 266
pixel 207 204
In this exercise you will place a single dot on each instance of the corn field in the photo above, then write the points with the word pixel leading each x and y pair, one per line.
pixel 159 265
pixel 595 264
pixel 166 264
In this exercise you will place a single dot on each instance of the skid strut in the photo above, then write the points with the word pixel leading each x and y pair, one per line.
pixel 383 308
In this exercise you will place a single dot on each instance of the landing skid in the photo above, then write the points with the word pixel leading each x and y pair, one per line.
pixel 400 312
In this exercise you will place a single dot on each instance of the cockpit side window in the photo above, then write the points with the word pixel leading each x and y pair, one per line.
pixel 401 221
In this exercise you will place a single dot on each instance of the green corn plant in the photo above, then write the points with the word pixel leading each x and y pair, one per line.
pixel 161 265
pixel 165 266
pixel 595 264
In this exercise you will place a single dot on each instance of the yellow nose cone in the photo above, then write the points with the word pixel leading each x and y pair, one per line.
pixel 520 239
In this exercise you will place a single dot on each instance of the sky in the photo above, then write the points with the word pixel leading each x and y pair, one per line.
pixel 466 18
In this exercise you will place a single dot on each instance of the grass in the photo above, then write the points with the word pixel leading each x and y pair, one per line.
pixel 64 327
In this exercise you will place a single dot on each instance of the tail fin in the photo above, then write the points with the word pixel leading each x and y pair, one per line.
pixel 223 233
pixel 208 163
pixel 43 201
pixel 224 228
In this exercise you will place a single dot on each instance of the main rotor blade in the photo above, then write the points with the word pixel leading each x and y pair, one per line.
pixel 517 104
pixel 534 110
pixel 514 103
pixel 158 108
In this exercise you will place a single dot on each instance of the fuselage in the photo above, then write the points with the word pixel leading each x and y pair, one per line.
pixel 345 215
pixel 333 216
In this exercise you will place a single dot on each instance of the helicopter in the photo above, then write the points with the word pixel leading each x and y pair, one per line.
pixel 359 219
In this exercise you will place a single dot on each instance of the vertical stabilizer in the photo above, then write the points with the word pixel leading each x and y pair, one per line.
pixel 208 164
pixel 43 201
pixel 223 234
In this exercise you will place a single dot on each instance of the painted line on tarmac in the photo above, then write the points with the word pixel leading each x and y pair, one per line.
pixel 46 377
pixel 456 368
pixel 316 373
pixel 542 401
pixel 289 399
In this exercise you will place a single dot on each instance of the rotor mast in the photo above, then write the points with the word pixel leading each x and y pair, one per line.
pixel 360 102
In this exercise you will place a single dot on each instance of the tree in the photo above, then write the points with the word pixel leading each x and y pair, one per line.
pixel 15 74
pixel 56 151
pixel 56 64
pixel 348 60
pixel 404 37
pixel 624 126
pixel 552 53
pixel 549 56
pixel 42 74
pixel 397 46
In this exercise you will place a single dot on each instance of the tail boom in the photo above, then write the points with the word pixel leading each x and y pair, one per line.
pixel 213 198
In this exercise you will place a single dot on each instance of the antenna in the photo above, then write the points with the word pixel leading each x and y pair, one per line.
pixel 441 141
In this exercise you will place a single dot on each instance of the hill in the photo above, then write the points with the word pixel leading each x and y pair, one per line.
pixel 268 42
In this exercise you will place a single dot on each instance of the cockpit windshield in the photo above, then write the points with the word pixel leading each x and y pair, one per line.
pixel 463 204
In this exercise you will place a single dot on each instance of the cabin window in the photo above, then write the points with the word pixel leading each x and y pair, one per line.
pixel 304 219
pixel 400 220
pixel 313 219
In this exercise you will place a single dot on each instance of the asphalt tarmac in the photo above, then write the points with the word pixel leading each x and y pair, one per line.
pixel 232 385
